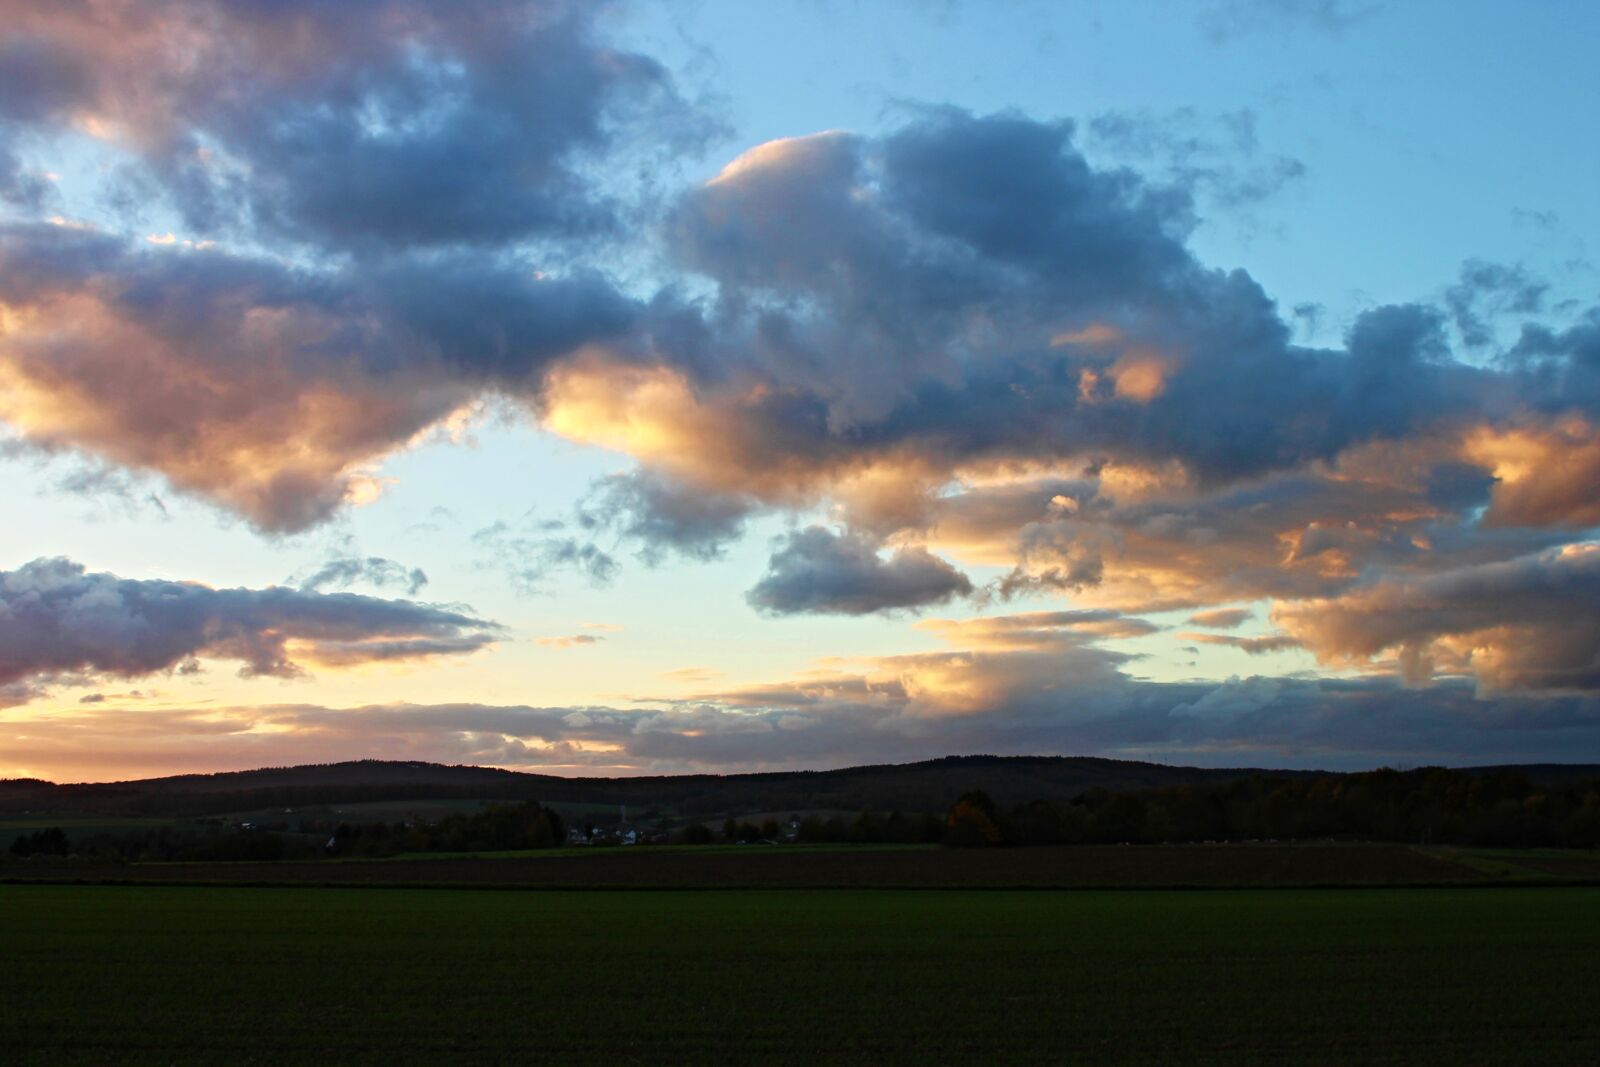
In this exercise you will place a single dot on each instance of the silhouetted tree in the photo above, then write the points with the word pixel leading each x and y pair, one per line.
pixel 973 822
pixel 51 842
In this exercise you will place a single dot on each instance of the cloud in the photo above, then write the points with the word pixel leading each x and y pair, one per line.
pixel 395 123
pixel 198 364
pixel 1143 539
pixel 1487 291
pixel 385 190
pixel 965 340
pixel 964 337
pixel 570 641
pixel 1255 646
pixel 1226 20
pixel 1039 630
pixel 344 571
pixel 817 571
pixel 528 554
pixel 20 186
pixel 1531 623
pixel 1221 618
pixel 1031 683
pixel 1216 158
pixel 692 674
pixel 1240 722
pixel 971 291
pixel 1545 472
pixel 662 516
pixel 60 623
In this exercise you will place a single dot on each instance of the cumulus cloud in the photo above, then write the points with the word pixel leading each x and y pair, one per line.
pixel 1030 304
pixel 967 307
pixel 816 570
pixel 58 621
pixel 1528 623
pixel 374 125
pixel 968 339
pixel 200 365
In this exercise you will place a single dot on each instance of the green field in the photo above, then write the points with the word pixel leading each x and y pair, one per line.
pixel 167 974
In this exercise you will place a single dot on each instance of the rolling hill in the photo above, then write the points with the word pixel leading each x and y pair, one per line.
pixel 926 786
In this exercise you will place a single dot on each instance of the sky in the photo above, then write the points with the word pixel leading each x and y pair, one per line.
pixel 713 386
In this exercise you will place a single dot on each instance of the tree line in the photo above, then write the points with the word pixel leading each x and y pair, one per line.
pixel 1427 806
pixel 498 827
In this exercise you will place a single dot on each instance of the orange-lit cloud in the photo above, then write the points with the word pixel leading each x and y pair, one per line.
pixel 1546 475
pixel 569 641
pixel 1255 646
pixel 270 391
pixel 1528 623
pixel 250 431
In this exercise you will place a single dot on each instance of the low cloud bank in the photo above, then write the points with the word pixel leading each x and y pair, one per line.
pixel 59 620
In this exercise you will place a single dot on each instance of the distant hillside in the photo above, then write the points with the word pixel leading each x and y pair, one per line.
pixel 931 785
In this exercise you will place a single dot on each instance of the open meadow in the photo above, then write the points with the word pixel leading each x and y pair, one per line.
pixel 162 974
pixel 843 867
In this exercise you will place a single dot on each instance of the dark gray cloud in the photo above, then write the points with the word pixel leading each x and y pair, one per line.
pixel 971 288
pixel 1560 367
pixel 383 124
pixel 818 571
pixel 1487 291
pixel 662 516
pixel 20 186
pixel 1017 192
pixel 58 619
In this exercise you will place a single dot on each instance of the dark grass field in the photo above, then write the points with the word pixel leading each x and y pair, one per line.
pixel 847 867
pixel 97 974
